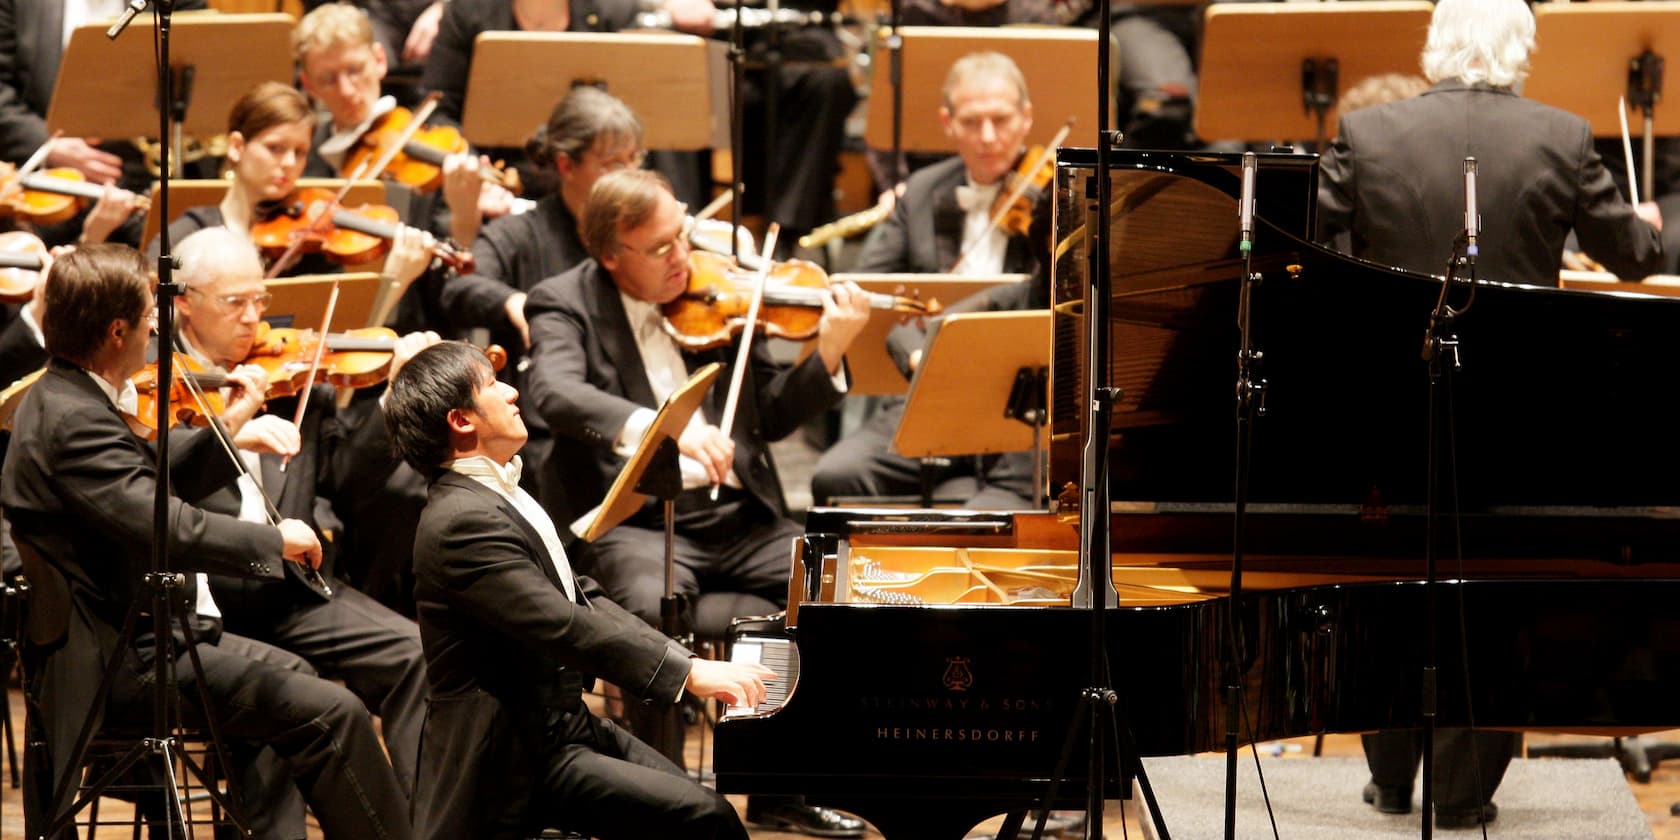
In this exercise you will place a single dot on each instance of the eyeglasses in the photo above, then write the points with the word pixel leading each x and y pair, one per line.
pixel 354 73
pixel 237 303
pixel 664 249
pixel 974 123
pixel 619 163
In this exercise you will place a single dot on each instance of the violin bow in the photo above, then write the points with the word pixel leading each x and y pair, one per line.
pixel 1021 186
pixel 1627 151
pixel 314 367
pixel 40 156
pixel 225 438
pixel 741 356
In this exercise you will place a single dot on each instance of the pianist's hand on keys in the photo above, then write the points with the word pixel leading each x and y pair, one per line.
pixel 735 683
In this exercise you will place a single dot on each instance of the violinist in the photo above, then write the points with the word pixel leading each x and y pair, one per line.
pixel 269 131
pixel 341 65
pixel 602 364
pixel 78 487
pixel 344 634
pixel 945 213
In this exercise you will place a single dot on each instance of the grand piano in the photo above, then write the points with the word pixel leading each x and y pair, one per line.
pixel 933 657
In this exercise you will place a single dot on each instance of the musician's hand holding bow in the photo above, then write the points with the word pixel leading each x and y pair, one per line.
pixel 845 313
pixel 299 543
pixel 736 683
pixel 100 166
pixel 113 208
pixel 708 445
pixel 406 347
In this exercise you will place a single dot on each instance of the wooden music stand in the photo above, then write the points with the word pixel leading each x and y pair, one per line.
pixel 962 386
pixel 1060 65
pixel 12 395
pixel 624 499
pixel 101 80
pixel 1255 80
pixel 301 301
pixel 662 77
pixel 1581 64
pixel 871 369
pixel 186 194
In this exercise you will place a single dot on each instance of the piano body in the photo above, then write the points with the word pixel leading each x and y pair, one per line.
pixel 935 658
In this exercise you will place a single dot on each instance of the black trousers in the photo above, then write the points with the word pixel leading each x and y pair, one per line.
pixel 1464 760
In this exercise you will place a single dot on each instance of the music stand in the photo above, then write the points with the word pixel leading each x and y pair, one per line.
pixel 1060 66
pixel 12 395
pixel 665 78
pixel 870 368
pixel 960 397
pixel 215 58
pixel 185 194
pixel 1267 72
pixel 301 302
pixel 1596 52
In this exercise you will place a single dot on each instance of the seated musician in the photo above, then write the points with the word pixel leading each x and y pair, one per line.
pixel 513 636
pixel 816 96
pixel 601 366
pixel 30 57
pixel 78 489
pixel 945 213
pixel 1538 178
pixel 343 633
pixel 341 65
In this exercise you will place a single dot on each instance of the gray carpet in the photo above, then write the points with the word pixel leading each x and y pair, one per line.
pixel 1318 799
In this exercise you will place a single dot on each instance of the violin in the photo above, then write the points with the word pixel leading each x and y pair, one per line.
pixel 1012 209
pixel 352 236
pixel 23 262
pixel 187 406
pixel 713 309
pixel 50 196
pixel 354 359
pixel 418 161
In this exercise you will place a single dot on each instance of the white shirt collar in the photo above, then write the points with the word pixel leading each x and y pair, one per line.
pixel 127 400
pixel 504 477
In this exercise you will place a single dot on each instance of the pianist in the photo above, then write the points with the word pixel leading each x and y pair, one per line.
pixel 1538 178
pixel 512 637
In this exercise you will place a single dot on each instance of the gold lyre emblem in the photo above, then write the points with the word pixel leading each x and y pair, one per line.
pixel 957 675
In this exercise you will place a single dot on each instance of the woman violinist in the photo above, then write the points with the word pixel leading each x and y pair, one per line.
pixel 269 138
pixel 342 65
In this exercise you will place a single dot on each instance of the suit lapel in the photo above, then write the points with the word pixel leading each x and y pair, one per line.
pixel 618 339
pixel 947 225
pixel 539 551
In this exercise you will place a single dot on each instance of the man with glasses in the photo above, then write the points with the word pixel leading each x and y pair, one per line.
pixel 343 633
pixel 945 213
pixel 602 364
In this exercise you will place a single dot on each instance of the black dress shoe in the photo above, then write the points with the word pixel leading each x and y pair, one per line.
pixel 1467 819
pixel 1388 800
pixel 806 819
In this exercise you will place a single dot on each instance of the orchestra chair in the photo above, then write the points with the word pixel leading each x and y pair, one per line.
pixel 14 599
pixel 47 624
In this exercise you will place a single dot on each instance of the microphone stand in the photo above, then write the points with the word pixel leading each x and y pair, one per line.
pixel 737 134
pixel 1251 404
pixel 1644 88
pixel 165 589
pixel 895 57
pixel 1440 352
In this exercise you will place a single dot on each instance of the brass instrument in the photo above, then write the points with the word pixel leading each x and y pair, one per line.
pixel 194 151
pixel 846 226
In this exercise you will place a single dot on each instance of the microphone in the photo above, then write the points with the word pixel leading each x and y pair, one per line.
pixel 1245 205
pixel 653 16
pixel 1472 218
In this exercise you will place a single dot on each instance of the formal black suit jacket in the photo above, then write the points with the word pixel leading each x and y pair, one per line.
pixel 924 233
pixel 507 653
pixel 20 353
pixel 78 486
pixel 1394 179
pixel 587 377
pixel 31 49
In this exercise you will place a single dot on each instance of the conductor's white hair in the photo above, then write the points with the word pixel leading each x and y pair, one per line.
pixel 214 252
pixel 1479 42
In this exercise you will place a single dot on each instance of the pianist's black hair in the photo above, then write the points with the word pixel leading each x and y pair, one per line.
pixel 440 378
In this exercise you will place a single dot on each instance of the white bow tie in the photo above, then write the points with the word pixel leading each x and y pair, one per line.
pixel 971 198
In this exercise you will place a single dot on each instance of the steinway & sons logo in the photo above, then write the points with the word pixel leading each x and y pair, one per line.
pixel 957 675
pixel 958 714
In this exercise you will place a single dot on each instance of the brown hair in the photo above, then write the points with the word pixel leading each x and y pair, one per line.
pixel 85 291
pixel 1379 90
pixel 331 25
pixel 267 105
pixel 580 118
pixel 619 201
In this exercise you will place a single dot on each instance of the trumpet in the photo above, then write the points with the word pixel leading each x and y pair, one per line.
pixel 846 226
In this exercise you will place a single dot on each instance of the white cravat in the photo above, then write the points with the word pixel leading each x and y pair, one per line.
pixel 336 148
pixel 666 372
pixel 127 401
pixel 986 258
pixel 505 481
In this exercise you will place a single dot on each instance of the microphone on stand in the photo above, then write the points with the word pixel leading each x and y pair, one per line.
pixel 133 8
pixel 1245 205
pixel 1472 219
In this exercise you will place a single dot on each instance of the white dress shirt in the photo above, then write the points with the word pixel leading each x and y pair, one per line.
pixel 986 258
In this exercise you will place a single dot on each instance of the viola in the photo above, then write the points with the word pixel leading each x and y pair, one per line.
pixel 713 309
pixel 23 261
pixel 352 236
pixel 354 359
pixel 418 161
pixel 49 196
